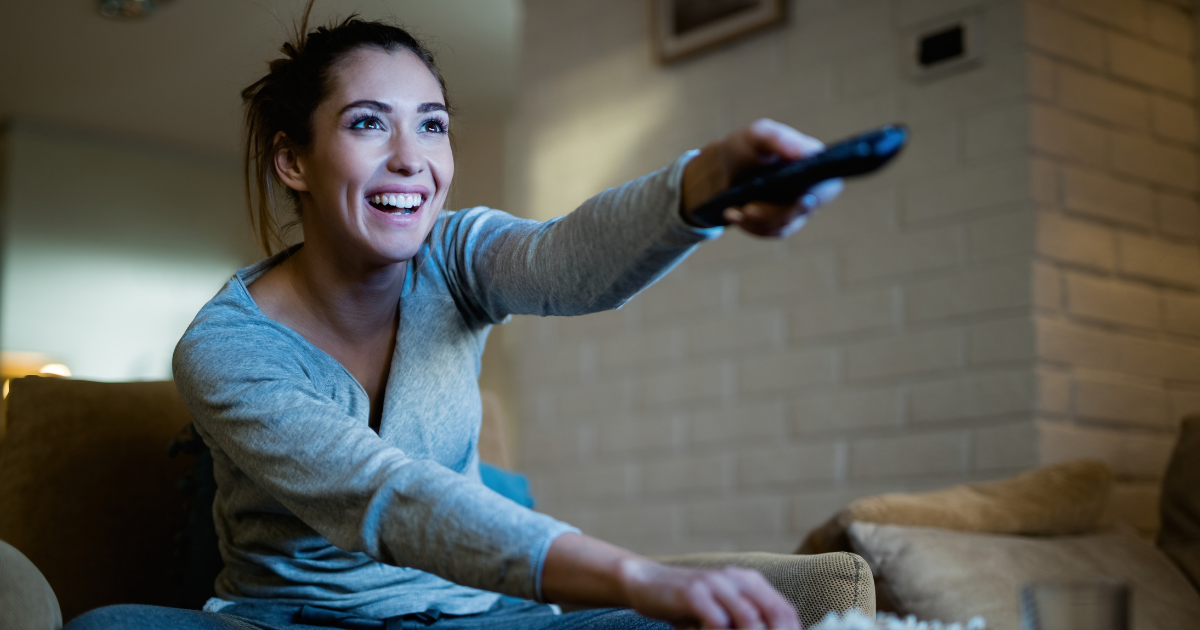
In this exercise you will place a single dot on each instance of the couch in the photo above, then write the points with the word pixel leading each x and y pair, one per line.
pixel 967 550
pixel 93 511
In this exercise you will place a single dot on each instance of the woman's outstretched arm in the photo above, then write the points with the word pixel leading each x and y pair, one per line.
pixel 585 571
pixel 619 241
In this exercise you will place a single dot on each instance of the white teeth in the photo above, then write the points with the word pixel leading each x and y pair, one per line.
pixel 404 201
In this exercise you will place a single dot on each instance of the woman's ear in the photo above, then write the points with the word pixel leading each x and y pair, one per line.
pixel 287 164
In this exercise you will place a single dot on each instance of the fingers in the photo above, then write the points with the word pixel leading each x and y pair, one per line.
pixel 768 138
pixel 826 191
pixel 762 142
pixel 771 607
pixel 727 589
pixel 724 598
pixel 706 607
pixel 740 598
pixel 762 219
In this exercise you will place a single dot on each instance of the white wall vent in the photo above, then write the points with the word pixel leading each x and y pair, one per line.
pixel 944 46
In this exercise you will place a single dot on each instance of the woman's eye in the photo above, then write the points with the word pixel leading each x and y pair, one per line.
pixel 370 122
pixel 433 126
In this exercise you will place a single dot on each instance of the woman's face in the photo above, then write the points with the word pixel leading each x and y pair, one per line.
pixel 379 165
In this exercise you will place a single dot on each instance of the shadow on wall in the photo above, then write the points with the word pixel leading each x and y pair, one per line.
pixel 570 162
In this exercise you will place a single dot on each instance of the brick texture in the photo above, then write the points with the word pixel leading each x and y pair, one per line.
pixel 1178 216
pixel 1062 34
pixel 1103 197
pixel 1118 224
pixel 1142 62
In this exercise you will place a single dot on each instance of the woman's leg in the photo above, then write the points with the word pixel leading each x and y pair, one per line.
pixel 139 617
pixel 538 617
pixel 609 619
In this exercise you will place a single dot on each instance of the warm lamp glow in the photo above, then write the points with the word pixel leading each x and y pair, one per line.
pixel 16 364
pixel 55 369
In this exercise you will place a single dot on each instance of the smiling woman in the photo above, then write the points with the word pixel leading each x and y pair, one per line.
pixel 335 382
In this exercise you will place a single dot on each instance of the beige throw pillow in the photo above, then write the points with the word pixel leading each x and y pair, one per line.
pixel 953 576
pixel 1066 498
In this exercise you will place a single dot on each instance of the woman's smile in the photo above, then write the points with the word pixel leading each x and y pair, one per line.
pixel 397 205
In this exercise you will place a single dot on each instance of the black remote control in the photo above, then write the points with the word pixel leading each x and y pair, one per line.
pixel 784 183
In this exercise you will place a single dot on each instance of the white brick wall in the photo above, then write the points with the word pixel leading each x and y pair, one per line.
pixel 1022 286
pixel 1115 144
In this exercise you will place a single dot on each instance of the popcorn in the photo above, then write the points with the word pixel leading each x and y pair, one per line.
pixel 855 620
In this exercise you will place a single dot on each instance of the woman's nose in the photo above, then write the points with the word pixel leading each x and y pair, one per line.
pixel 406 158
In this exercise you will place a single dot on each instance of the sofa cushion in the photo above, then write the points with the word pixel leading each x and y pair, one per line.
pixel 26 600
pixel 1067 498
pixel 952 576
pixel 1179 535
pixel 87 491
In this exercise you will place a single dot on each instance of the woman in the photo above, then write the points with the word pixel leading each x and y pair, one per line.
pixel 336 382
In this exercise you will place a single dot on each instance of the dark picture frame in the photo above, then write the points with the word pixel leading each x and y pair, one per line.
pixel 682 28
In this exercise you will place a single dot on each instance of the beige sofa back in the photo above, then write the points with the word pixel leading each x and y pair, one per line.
pixel 87 491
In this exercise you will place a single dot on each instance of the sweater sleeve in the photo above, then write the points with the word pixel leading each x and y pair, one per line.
pixel 261 408
pixel 595 258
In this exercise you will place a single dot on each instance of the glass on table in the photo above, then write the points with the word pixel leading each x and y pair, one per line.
pixel 1099 605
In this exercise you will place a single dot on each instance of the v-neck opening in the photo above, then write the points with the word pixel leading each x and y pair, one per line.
pixel 260 269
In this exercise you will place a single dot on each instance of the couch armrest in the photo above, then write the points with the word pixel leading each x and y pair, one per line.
pixel 26 600
pixel 815 584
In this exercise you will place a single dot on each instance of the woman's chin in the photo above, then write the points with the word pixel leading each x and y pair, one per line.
pixel 395 252
pixel 390 247
pixel 399 238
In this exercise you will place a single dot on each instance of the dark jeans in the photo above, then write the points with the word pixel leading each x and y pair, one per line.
pixel 507 614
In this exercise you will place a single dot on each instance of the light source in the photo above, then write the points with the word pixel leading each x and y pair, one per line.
pixel 129 9
pixel 18 364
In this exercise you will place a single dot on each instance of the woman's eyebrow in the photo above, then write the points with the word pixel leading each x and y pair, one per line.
pixel 423 108
pixel 382 107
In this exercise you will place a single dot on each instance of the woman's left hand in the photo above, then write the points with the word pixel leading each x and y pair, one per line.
pixel 762 142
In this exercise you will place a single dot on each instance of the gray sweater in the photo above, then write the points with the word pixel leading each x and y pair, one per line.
pixel 313 506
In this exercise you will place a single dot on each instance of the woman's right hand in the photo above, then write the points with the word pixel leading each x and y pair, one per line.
pixel 760 143
pixel 589 572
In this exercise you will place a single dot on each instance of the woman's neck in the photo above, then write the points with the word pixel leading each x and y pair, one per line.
pixel 331 297
pixel 349 297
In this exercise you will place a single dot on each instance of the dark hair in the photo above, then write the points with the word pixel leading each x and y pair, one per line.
pixel 284 101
